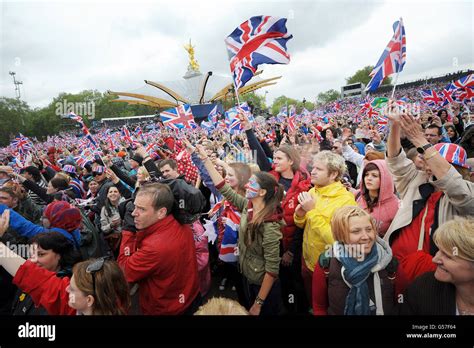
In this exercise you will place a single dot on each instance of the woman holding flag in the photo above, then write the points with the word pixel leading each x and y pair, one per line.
pixel 259 236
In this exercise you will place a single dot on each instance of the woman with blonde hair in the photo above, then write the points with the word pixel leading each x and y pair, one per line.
pixel 355 275
pixel 142 176
pixel 221 306
pixel 448 290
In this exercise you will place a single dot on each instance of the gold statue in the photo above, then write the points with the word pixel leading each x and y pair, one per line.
pixel 193 64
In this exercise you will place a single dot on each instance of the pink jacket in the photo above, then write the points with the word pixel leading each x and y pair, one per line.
pixel 388 203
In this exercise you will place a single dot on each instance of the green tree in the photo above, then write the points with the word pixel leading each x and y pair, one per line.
pixel 281 101
pixel 362 76
pixel 14 117
pixel 328 96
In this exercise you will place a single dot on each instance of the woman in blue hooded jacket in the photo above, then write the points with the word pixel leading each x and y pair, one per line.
pixel 58 216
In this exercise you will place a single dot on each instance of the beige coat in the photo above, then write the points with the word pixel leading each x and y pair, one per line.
pixel 458 198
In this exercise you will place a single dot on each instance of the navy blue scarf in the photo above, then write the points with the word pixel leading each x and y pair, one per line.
pixel 356 274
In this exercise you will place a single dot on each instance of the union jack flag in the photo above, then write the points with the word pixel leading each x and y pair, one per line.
pixel 126 135
pixel 245 109
pixel 283 112
pixel 212 117
pixel 466 95
pixel 259 40
pixel 392 59
pixel 150 149
pixel 430 97
pixel 365 104
pixel 111 143
pixel 21 144
pixel 371 112
pixel 207 125
pixel 178 117
pixel 448 94
pixel 466 81
pixel 138 131
pixel 76 118
pixel 382 123
pixel 232 121
pixel 85 156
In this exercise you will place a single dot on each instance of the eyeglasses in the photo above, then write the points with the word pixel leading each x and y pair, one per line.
pixel 94 267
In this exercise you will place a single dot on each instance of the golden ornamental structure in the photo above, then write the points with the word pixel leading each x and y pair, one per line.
pixel 193 64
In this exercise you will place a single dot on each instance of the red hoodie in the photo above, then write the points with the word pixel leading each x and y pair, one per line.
pixel 387 204
pixel 162 260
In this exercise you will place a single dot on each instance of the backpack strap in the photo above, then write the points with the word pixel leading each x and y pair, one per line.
pixel 324 262
pixel 392 269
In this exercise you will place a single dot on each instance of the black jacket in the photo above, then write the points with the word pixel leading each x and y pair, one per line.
pixel 428 296
pixel 189 203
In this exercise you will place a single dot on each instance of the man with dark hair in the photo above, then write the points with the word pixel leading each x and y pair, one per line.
pixel 169 169
pixel 160 256
pixel 433 134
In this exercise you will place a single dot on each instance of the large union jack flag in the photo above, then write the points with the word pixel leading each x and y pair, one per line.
pixel 259 40
pixel 392 59
pixel 178 117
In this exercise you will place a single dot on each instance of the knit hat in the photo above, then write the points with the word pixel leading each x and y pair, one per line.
pixel 137 158
pixel 63 215
pixel 69 169
pixel 452 153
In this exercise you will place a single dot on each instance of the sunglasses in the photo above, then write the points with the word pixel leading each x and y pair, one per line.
pixel 94 267
pixel 94 174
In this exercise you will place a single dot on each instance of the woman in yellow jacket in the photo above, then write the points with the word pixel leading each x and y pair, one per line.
pixel 316 208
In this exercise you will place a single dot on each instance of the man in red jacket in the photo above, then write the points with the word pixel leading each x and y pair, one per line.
pixel 160 256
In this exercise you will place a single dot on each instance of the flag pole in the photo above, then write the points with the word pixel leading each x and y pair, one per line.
pixel 394 85
pixel 400 25
pixel 236 92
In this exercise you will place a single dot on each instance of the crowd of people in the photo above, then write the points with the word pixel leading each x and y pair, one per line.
pixel 333 217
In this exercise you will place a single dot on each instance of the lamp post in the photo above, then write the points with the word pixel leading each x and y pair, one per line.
pixel 266 106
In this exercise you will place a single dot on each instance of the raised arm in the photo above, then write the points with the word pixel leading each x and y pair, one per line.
pixel 438 165
pixel 255 145
pixel 393 143
pixel 236 199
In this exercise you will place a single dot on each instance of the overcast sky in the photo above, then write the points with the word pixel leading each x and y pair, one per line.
pixel 56 46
